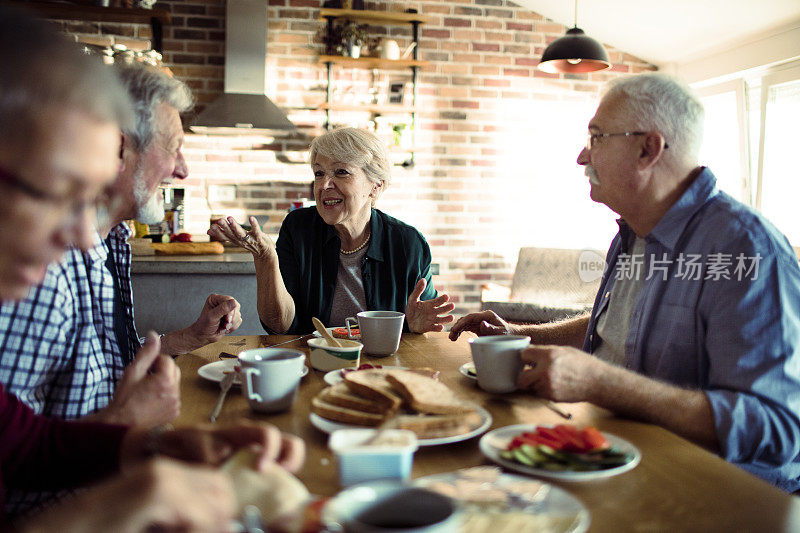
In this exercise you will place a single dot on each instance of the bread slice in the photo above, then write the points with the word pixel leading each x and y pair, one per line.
pixel 426 395
pixel 436 426
pixel 372 384
pixel 340 395
pixel 344 415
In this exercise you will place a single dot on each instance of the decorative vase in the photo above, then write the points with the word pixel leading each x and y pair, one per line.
pixel 353 50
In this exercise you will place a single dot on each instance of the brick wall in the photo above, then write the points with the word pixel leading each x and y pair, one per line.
pixel 467 191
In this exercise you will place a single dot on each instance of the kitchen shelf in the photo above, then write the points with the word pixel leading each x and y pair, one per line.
pixel 372 62
pixel 156 18
pixel 364 15
pixel 376 109
pixel 375 63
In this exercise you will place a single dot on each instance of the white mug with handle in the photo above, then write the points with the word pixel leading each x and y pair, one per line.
pixel 270 377
pixel 380 331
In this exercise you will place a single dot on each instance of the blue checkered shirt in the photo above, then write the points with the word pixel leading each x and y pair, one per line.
pixel 59 351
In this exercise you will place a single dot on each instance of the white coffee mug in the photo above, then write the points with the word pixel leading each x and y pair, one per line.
pixel 380 331
pixel 270 377
pixel 498 361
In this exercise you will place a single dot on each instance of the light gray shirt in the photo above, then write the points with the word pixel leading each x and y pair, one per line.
pixel 614 322
pixel 348 297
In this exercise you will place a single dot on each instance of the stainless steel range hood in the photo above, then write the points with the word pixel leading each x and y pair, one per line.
pixel 244 106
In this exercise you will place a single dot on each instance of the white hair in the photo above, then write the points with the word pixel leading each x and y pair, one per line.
pixel 358 147
pixel 658 102
pixel 148 87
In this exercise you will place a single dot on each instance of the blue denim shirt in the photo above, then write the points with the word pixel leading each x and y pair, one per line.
pixel 713 316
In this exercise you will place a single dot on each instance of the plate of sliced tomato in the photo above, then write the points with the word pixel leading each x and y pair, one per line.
pixel 341 333
pixel 564 452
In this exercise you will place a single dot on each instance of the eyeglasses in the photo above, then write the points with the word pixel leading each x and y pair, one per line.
pixel 103 206
pixel 592 138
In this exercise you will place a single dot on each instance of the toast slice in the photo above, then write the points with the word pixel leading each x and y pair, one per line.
pixel 426 395
pixel 436 426
pixel 372 384
pixel 340 395
pixel 343 415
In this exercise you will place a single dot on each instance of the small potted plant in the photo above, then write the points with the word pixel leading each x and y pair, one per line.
pixel 352 37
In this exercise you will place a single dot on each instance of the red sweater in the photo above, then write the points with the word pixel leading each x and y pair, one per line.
pixel 43 453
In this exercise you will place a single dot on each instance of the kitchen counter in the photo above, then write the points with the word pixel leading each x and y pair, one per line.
pixel 227 263
pixel 170 290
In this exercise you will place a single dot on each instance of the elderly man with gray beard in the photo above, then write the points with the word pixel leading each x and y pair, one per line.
pixel 69 348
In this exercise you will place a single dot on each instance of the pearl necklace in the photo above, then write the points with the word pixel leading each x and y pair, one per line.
pixel 362 245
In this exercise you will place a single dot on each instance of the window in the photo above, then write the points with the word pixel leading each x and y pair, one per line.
pixel 750 140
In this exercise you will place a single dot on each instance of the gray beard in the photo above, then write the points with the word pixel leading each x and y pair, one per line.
pixel 150 206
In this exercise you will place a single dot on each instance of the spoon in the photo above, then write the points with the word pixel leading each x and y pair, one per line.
pixel 325 333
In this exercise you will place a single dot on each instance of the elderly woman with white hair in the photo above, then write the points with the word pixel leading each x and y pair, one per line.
pixel 342 256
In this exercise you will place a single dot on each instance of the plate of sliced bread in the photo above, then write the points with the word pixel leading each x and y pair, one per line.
pixel 408 399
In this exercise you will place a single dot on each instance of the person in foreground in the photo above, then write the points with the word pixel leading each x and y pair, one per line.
pixel 342 256
pixel 696 326
pixel 60 117
pixel 69 345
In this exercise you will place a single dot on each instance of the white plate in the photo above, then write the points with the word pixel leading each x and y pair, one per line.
pixel 555 509
pixel 334 376
pixel 330 330
pixel 215 371
pixel 465 368
pixel 495 441
pixel 328 426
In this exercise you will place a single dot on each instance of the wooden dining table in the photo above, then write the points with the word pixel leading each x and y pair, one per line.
pixel 678 486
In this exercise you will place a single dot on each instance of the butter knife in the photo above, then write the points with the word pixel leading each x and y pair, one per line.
pixel 224 385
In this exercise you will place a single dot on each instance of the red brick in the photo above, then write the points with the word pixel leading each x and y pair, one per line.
pixel 457 23
pixel 480 70
pixel 465 104
pixel 485 47
pixel 516 26
pixel 502 37
pixel 435 34
pixel 497 60
pixel 496 83
pixel 529 61
pixel 489 24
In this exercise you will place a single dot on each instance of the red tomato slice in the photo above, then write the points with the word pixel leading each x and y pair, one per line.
pixel 343 331
pixel 594 439
pixel 519 440
pixel 572 439
pixel 552 442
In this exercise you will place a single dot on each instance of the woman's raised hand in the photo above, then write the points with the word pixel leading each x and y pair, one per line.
pixel 254 241
pixel 428 315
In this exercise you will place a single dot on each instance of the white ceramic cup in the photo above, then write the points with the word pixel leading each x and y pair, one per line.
pixel 380 331
pixel 390 506
pixel 498 361
pixel 270 377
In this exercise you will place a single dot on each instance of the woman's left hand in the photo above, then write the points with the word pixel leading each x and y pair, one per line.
pixel 428 315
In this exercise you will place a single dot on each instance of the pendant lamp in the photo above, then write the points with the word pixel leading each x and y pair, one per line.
pixel 575 52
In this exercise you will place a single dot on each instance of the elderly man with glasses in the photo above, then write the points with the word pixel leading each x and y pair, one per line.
pixel 60 118
pixel 70 346
pixel 696 326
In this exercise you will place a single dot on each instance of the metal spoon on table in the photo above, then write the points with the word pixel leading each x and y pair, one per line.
pixel 225 386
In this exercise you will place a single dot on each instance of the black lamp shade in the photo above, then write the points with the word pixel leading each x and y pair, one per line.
pixel 575 52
